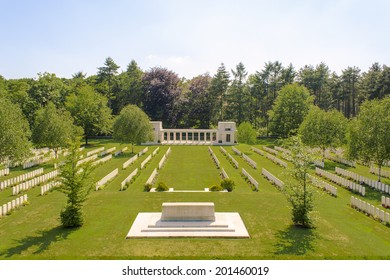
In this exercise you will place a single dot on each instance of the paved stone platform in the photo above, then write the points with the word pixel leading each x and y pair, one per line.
pixel 225 225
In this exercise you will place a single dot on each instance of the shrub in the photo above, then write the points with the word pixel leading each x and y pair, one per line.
pixel 215 188
pixel 227 184
pixel 147 187
pixel 162 187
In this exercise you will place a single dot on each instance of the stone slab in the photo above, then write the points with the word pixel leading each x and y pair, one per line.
pixel 228 225
pixel 188 211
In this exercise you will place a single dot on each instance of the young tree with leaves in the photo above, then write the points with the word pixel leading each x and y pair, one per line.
pixel 132 126
pixel 368 137
pixel 76 183
pixel 297 188
pixel 323 129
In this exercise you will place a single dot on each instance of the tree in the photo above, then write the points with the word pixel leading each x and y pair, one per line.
pixel 290 109
pixel 246 133
pixel 14 132
pixel 350 78
pixel 218 88
pixel 132 126
pixel 296 187
pixel 89 110
pixel 323 129
pixel 53 128
pixel 128 88
pixel 48 88
pixel 76 184
pixel 199 102
pixel 238 97
pixel 368 137
pixel 161 93
pixel 106 78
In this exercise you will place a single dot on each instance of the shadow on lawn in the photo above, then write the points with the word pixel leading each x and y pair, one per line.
pixel 295 241
pixel 42 241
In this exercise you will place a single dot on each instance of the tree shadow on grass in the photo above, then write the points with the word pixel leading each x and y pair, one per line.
pixel 42 240
pixel 295 241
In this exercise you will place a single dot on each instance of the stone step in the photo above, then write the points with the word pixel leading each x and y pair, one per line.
pixel 186 224
pixel 189 229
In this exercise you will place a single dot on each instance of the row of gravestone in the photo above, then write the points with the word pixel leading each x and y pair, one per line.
pixel 102 160
pixel 20 178
pixel 276 160
pixel 269 150
pixel 214 157
pixel 385 201
pixel 88 158
pixel 4 172
pixel 106 179
pixel 250 161
pixel 90 153
pixel 375 170
pixel 341 181
pixel 339 159
pixel 272 178
pixel 121 151
pixel 34 182
pixel 15 203
pixel 250 178
pixel 223 174
pixel 106 152
pixel 154 174
pixel 283 150
pixel 371 210
pixel 359 178
pixel 230 158
pixel 129 178
pixel 324 185
pixel 46 188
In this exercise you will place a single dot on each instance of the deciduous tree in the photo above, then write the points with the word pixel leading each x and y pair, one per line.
pixel 132 126
pixel 14 132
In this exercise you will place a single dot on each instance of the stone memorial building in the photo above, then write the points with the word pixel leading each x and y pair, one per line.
pixel 225 134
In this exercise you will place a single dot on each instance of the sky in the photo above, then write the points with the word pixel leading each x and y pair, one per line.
pixel 190 37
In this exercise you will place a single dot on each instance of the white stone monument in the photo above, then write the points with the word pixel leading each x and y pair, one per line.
pixel 188 219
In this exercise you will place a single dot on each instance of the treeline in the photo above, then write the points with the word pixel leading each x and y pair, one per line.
pixel 203 100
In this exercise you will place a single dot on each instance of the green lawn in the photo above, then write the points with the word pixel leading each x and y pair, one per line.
pixel 34 232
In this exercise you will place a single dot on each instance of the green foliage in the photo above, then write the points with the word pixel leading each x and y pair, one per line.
pixel 53 128
pixel 148 187
pixel 14 132
pixel 76 183
pixel 71 216
pixel 296 188
pixel 246 133
pixel 132 126
pixel 215 188
pixel 323 129
pixel 289 110
pixel 218 88
pixel 199 102
pixel 161 95
pixel 227 184
pixel 162 187
pixel 89 110
pixel 368 137
pixel 238 97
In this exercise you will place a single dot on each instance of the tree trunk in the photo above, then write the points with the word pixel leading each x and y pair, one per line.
pixel 132 148
pixel 86 140
pixel 379 172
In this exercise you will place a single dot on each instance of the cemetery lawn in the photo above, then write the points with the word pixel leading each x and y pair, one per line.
pixel 34 231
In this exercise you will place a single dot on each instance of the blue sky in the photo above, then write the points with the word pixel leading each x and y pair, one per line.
pixel 190 37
